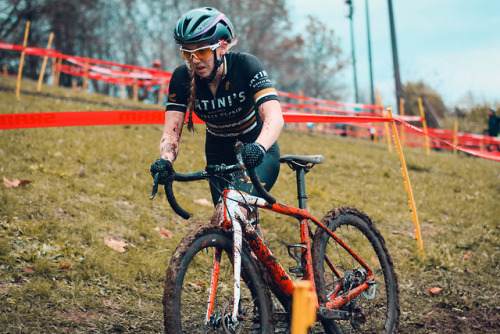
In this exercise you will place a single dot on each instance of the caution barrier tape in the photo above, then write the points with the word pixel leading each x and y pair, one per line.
pixel 92 118
pixel 80 72
pixel 83 61
pixel 478 153
pixel 141 76
pixel 331 103
pixel 87 118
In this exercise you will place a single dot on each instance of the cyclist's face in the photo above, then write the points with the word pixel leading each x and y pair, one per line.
pixel 203 61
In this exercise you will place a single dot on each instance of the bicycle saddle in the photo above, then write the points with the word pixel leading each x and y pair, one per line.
pixel 302 159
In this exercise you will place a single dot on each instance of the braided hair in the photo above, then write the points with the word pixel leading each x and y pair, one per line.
pixel 192 99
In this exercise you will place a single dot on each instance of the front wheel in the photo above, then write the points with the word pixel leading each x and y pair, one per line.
pixel 187 287
pixel 376 310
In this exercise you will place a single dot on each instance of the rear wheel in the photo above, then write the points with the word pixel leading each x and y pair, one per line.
pixel 376 310
pixel 188 283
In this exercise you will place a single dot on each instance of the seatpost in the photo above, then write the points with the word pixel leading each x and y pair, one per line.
pixel 301 187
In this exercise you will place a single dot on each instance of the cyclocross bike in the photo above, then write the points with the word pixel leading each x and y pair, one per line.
pixel 221 276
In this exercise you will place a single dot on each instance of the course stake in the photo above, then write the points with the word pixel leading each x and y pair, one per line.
pixel 404 172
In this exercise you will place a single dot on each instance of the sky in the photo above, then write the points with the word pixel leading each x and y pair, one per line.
pixel 451 45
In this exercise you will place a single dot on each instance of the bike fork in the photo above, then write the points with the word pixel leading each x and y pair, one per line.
pixel 213 284
pixel 237 246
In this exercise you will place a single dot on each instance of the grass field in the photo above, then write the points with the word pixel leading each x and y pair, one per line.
pixel 90 186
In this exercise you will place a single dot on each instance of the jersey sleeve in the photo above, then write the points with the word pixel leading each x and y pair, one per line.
pixel 178 90
pixel 260 85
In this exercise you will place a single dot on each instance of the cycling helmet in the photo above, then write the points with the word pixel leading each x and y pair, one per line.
pixel 203 25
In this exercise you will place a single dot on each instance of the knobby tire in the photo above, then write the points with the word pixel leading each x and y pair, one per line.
pixel 188 281
pixel 377 315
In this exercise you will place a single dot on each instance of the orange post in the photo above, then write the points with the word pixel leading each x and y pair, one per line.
pixel 53 71
pixel 85 77
pixel 304 307
pixel 21 62
pixel 44 64
pixel 302 126
pixel 301 94
pixel 402 127
pixel 424 124
pixel 455 137
pixel 386 126
pixel 136 90
pixel 404 172
pixel 58 71
pixel 122 91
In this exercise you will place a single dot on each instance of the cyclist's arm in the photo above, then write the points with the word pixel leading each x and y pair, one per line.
pixel 169 144
pixel 273 123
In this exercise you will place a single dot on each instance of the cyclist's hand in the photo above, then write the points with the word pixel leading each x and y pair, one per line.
pixel 253 155
pixel 164 170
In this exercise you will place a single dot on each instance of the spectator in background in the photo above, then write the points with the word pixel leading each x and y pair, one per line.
pixel 493 123
pixel 493 128
pixel 157 64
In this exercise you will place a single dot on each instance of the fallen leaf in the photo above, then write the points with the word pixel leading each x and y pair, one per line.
pixel 29 269
pixel 164 232
pixel 435 290
pixel 467 255
pixel 64 266
pixel 116 244
pixel 197 284
pixel 15 183
pixel 11 184
pixel 81 172
pixel 60 213
pixel 203 201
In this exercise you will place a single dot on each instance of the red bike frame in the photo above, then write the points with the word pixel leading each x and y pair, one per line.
pixel 282 281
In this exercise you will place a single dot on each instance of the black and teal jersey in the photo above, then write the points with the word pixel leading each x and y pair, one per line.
pixel 233 112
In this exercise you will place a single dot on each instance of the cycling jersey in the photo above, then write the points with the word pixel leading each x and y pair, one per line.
pixel 233 112
pixel 231 115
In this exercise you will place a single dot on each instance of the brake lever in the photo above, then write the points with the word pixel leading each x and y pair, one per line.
pixel 239 159
pixel 155 186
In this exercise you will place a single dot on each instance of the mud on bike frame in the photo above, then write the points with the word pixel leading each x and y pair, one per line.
pixel 232 218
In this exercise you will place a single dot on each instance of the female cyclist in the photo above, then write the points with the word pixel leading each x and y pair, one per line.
pixel 230 92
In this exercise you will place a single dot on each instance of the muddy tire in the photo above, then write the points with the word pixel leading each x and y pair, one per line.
pixel 188 282
pixel 377 309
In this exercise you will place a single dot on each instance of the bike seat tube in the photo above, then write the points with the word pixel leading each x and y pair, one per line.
pixel 301 188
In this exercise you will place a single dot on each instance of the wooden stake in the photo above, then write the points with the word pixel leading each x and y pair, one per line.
pixel 424 123
pixel 402 127
pixel 21 62
pixel 386 126
pixel 85 77
pixel 404 172
pixel 42 72
pixel 304 307
pixel 58 71
pixel 455 137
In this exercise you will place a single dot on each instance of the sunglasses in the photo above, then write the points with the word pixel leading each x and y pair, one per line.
pixel 200 53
